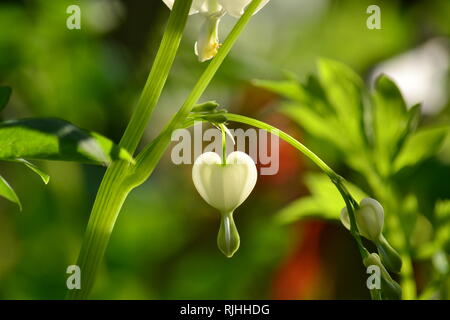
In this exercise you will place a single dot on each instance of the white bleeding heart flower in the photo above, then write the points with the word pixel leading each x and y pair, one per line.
pixel 369 219
pixel 208 44
pixel 225 187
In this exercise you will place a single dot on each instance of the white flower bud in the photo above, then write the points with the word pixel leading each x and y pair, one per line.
pixel 369 219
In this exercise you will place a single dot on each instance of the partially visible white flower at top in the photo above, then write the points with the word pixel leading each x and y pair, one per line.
pixel 208 44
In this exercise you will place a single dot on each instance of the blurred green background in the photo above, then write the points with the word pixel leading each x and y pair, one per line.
pixel 164 242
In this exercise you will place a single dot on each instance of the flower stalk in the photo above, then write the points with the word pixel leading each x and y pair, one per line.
pixel 113 192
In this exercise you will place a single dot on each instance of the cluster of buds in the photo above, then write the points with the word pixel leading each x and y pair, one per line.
pixel 370 220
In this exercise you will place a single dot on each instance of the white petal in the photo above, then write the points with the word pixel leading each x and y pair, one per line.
pixel 202 172
pixel 224 187
pixel 371 218
pixel 247 171
pixel 195 8
pixel 236 8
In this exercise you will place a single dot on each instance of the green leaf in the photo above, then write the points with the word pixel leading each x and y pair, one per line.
pixel 325 201
pixel 442 213
pixel 345 91
pixel 45 177
pixel 289 89
pixel 8 192
pixel 391 122
pixel 5 94
pixel 414 115
pixel 314 124
pixel 420 145
pixel 55 139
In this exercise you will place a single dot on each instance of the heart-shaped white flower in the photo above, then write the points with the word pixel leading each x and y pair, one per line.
pixel 225 187
pixel 208 44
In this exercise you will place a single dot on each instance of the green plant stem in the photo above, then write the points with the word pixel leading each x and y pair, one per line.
pixel 337 180
pixel 286 137
pixel 224 144
pixel 408 283
pixel 112 192
pixel 158 75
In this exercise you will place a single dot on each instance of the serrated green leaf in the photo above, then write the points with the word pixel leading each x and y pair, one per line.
pixel 289 89
pixel 45 177
pixel 414 115
pixel 344 90
pixel 325 201
pixel 55 139
pixel 345 93
pixel 419 146
pixel 390 122
pixel 8 192
pixel 314 123
pixel 5 94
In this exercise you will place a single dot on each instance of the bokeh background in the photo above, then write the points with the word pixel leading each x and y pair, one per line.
pixel 164 242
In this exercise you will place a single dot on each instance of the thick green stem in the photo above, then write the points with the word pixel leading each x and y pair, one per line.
pixel 108 202
pixel 158 75
pixel 113 191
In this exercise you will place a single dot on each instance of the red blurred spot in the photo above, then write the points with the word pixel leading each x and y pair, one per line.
pixel 299 274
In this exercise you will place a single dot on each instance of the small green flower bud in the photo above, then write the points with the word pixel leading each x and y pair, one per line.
pixel 390 288
pixel 208 106
pixel 369 218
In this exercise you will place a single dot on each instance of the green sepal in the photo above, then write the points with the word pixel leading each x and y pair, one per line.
pixel 389 257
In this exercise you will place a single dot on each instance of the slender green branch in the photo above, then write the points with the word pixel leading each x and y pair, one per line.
pixel 286 137
pixel 337 180
pixel 112 192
